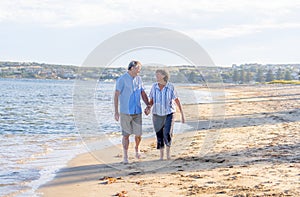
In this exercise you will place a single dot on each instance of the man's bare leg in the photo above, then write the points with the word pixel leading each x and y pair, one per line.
pixel 137 143
pixel 125 142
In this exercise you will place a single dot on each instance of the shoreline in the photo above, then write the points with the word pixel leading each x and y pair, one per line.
pixel 254 153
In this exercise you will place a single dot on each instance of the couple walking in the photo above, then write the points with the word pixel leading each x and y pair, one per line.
pixel 162 99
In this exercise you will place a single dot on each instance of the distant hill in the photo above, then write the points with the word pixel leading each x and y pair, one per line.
pixel 238 74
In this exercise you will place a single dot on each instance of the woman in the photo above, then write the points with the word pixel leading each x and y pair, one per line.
pixel 163 98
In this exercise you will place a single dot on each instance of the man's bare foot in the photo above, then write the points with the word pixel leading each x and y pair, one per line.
pixel 125 161
pixel 137 155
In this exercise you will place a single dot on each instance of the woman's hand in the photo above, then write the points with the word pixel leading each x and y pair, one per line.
pixel 182 118
pixel 147 110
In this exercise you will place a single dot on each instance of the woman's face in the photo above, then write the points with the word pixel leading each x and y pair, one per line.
pixel 159 77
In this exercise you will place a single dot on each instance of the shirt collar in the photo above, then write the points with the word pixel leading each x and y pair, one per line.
pixel 128 75
pixel 166 86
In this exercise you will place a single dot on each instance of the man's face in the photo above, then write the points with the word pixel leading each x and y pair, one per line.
pixel 136 70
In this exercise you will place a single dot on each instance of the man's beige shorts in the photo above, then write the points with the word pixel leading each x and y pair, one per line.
pixel 131 124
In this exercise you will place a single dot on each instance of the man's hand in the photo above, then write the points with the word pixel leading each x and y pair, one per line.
pixel 147 111
pixel 117 116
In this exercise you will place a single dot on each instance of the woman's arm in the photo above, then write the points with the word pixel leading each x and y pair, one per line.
pixel 177 101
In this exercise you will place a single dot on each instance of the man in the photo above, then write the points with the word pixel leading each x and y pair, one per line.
pixel 129 90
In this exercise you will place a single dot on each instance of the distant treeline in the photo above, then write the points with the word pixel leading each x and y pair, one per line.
pixel 242 74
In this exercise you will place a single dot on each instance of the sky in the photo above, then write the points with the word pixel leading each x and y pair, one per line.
pixel 230 31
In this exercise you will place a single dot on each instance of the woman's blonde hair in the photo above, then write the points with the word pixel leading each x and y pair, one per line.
pixel 164 73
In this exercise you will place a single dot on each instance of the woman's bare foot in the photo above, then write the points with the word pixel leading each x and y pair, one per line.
pixel 161 154
pixel 168 153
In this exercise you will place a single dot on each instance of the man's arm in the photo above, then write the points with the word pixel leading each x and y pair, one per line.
pixel 147 102
pixel 116 104
pixel 145 98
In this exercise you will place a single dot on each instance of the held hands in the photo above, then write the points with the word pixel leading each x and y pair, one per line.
pixel 147 110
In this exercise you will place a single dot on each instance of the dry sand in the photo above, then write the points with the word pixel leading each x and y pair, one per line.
pixel 255 153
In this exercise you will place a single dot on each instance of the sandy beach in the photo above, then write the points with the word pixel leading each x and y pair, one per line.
pixel 255 152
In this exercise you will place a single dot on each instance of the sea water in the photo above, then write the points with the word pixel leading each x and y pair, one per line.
pixel 38 135
pixel 36 132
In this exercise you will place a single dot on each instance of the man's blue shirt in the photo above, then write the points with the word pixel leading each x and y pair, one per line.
pixel 130 93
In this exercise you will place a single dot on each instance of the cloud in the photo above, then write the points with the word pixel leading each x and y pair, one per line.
pixel 79 13
pixel 239 30
pixel 208 19
pixel 57 13
pixel 256 23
